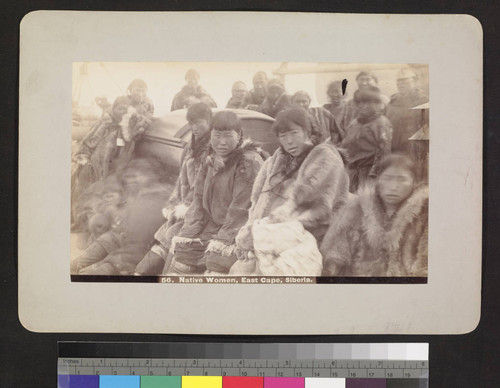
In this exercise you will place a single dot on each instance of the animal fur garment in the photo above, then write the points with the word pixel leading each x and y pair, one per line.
pixel 312 196
pixel 364 241
pixel 183 240
pixel 221 248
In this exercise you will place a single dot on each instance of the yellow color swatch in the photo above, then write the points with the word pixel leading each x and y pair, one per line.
pixel 201 381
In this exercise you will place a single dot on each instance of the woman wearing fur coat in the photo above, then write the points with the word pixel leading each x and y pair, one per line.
pixel 221 201
pixel 199 116
pixel 302 181
pixel 383 231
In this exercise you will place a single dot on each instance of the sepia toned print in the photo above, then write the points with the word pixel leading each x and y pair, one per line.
pixel 250 172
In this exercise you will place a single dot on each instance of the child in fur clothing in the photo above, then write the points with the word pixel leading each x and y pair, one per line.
pixel 383 231
pixel 199 117
pixel 302 181
pixel 368 138
pixel 221 201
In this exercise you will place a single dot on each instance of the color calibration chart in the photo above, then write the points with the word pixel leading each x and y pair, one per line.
pixel 242 365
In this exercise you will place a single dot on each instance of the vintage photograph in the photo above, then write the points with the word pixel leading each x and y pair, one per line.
pixel 246 172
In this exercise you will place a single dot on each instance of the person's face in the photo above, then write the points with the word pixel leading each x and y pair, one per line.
pixel 260 86
pixel 294 140
pixel 138 94
pixel 112 197
pixel 405 85
pixel 224 142
pixel 199 127
pixel 364 81
pixel 395 185
pixel 367 109
pixel 120 110
pixel 238 93
pixel 302 101
pixel 335 95
pixel 192 81
pixel 274 92
pixel 133 180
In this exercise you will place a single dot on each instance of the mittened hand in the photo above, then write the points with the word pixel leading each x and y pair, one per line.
pixel 167 213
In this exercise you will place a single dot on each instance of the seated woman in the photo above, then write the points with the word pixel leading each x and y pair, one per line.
pixel 383 231
pixel 117 251
pixel 302 181
pixel 221 201
pixel 195 153
pixel 368 138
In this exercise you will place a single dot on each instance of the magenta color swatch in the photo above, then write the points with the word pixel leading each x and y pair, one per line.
pixel 77 381
pixel 365 383
pixel 284 382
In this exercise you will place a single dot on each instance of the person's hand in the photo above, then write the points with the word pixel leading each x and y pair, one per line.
pixel 82 160
pixel 167 213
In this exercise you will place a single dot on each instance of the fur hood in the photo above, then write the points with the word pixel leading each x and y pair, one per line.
pixel 388 232
pixel 364 241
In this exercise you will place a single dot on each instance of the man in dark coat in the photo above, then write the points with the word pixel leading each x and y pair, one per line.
pixel 276 99
pixel 238 94
pixel 405 121
pixel 192 93
pixel 323 122
pixel 256 96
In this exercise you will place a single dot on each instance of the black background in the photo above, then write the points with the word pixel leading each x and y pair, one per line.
pixel 455 361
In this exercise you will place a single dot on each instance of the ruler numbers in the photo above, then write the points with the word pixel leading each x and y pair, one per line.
pixel 245 367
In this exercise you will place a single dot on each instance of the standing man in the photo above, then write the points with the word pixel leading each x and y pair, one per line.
pixel 256 96
pixel 405 121
pixel 276 99
pixel 191 93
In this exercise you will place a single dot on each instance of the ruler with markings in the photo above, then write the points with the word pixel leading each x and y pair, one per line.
pixel 401 362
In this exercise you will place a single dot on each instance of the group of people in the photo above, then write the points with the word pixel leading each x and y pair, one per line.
pixel 341 195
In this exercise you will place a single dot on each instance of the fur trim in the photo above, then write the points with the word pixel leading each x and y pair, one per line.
pixel 125 123
pixel 376 235
pixel 180 211
pixel 221 248
pixel 183 240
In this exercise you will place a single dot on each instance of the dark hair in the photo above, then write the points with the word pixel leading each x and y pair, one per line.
pixel 399 160
pixel 294 115
pixel 370 94
pixel 275 82
pixel 226 121
pixel 260 75
pixel 333 85
pixel 197 111
pixel 366 73
pixel 301 93
pixel 137 83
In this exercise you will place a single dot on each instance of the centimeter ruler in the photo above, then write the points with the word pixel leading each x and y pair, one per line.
pixel 337 368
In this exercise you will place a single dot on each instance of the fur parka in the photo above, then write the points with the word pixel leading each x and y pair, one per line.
pixel 312 196
pixel 364 241
pixel 220 207
pixel 195 153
